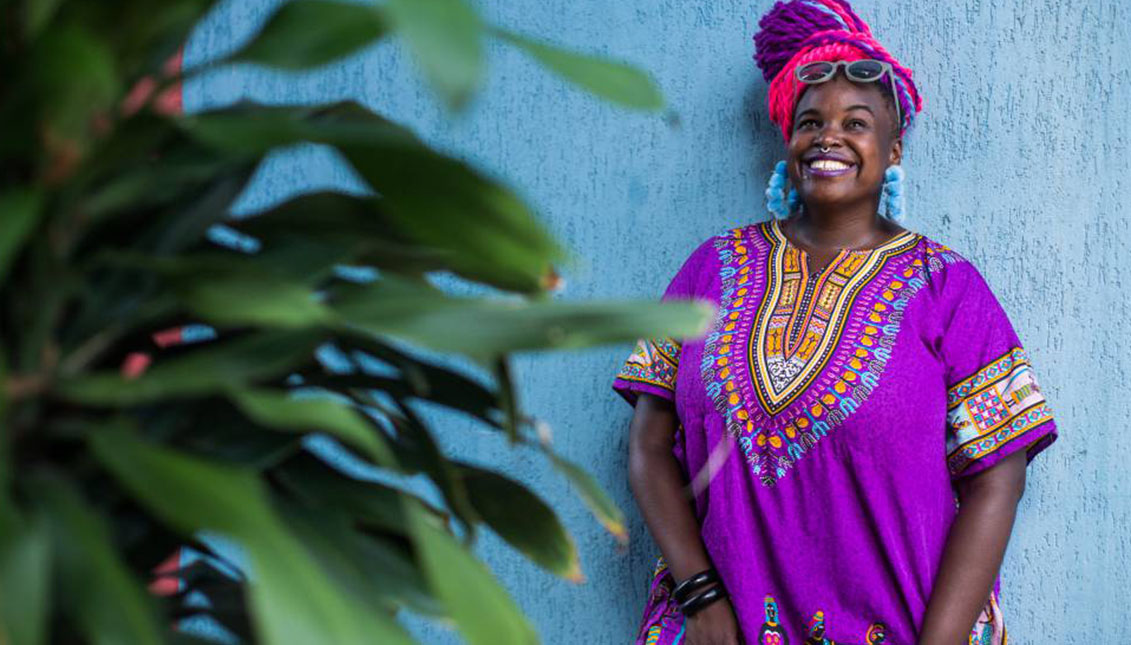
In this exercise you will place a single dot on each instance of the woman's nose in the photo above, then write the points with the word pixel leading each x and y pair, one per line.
pixel 827 137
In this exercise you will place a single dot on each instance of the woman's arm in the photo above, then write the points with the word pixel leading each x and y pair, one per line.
pixel 974 551
pixel 657 483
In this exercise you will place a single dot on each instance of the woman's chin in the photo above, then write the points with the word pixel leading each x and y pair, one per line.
pixel 826 199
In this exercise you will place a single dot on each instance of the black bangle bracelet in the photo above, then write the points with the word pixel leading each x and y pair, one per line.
pixel 694 582
pixel 699 601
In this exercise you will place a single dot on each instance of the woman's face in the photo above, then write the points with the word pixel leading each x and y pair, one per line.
pixel 857 126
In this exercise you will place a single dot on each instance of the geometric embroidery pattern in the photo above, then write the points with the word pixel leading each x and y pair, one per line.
pixel 653 361
pixel 991 407
pixel 791 355
pixel 987 409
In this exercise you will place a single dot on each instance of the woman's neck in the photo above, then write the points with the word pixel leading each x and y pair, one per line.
pixel 840 228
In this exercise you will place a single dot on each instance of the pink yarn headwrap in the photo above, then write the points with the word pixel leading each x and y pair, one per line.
pixel 810 30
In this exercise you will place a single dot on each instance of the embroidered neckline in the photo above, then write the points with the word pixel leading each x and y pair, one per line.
pixel 801 317
pixel 781 392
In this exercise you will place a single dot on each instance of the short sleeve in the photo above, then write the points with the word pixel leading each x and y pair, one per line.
pixel 995 406
pixel 652 366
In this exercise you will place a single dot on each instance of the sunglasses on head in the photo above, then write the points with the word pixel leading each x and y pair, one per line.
pixel 867 70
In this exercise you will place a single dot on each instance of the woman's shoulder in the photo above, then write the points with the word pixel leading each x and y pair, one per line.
pixel 944 276
pixel 939 259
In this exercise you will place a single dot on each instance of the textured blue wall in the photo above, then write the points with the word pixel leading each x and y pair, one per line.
pixel 1019 162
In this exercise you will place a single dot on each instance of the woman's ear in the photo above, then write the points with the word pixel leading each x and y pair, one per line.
pixel 896 155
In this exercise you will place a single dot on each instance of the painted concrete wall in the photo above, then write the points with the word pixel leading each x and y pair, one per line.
pixel 1019 162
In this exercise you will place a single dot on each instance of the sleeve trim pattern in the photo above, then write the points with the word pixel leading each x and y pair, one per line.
pixel 993 407
pixel 653 362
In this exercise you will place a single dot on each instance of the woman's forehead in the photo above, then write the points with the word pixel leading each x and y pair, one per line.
pixel 840 93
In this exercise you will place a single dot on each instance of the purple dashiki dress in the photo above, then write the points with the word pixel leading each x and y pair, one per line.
pixel 832 415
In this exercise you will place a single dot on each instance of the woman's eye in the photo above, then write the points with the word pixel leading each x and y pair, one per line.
pixel 857 124
pixel 807 123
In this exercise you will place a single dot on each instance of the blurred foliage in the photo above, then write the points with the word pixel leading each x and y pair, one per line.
pixel 120 446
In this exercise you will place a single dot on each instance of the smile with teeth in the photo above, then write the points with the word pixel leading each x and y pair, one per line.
pixel 828 164
pixel 828 167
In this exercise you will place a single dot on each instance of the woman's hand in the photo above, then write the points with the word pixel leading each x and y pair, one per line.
pixel 715 624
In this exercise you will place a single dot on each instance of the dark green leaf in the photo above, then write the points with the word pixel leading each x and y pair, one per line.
pixel 148 163
pixel 446 36
pixel 24 582
pixel 143 35
pixel 522 519
pixel 483 611
pixel 508 397
pixel 427 381
pixel 269 289
pixel 254 300
pixel 76 80
pixel 37 15
pixel 417 451
pixel 224 434
pixel 282 412
pixel 318 484
pixel 110 605
pixel 214 369
pixel 361 225
pixel 375 569
pixel 486 329
pixel 617 82
pixel 7 510
pixel 195 495
pixel 20 209
pixel 309 33
pixel 479 227
pixel 602 506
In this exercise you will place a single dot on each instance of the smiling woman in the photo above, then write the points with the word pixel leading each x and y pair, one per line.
pixel 840 457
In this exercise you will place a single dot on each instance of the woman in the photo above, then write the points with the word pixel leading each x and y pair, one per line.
pixel 855 426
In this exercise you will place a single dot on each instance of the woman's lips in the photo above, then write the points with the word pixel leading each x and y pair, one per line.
pixel 828 168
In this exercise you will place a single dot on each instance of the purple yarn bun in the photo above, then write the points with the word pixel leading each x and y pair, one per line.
pixel 787 24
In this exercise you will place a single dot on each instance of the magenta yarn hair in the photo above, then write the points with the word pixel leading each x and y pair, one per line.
pixel 796 32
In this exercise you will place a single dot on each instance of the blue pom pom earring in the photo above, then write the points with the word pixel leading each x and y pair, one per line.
pixel 891 199
pixel 776 200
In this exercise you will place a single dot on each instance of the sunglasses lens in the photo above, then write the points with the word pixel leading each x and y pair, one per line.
pixel 815 72
pixel 864 70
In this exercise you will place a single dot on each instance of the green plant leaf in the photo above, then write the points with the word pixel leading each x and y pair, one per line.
pixel 483 611
pixel 375 568
pixel 417 451
pixel 371 503
pixel 110 605
pixel 142 35
pixel 20 209
pixel 122 182
pixel 480 227
pixel 76 78
pixel 308 33
pixel 254 300
pixel 363 225
pixel 219 431
pixel 424 380
pixel 7 509
pixel 616 82
pixel 508 397
pixel 600 504
pixel 487 329
pixel 215 369
pixel 446 37
pixel 522 519
pixel 195 495
pixel 279 411
pixel 37 15
pixel 25 568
